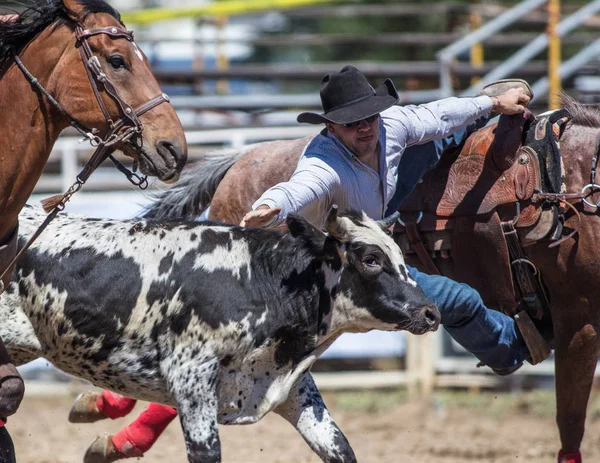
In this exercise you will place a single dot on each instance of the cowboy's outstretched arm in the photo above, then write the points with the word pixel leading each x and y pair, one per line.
pixel 310 188
pixel 415 125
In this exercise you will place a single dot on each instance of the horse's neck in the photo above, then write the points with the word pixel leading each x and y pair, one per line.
pixel 29 128
pixel 578 146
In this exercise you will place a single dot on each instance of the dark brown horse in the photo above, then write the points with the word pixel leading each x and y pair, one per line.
pixel 571 271
pixel 73 63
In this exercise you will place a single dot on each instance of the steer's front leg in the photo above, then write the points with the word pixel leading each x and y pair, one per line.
pixel 193 385
pixel 307 412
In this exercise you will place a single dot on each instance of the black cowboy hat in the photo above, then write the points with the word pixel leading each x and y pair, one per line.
pixel 347 97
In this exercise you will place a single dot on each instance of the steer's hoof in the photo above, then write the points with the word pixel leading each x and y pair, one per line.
pixel 102 450
pixel 84 409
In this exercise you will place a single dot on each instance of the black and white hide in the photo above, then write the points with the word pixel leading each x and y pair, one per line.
pixel 219 321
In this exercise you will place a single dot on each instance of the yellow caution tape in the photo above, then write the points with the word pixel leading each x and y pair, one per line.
pixel 224 8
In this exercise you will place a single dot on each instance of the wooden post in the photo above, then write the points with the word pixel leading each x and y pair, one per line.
pixel 412 365
pixel 475 21
pixel 420 365
pixel 427 364
pixel 553 54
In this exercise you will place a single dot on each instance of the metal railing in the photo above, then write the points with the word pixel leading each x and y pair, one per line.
pixel 569 67
pixel 524 55
pixel 447 55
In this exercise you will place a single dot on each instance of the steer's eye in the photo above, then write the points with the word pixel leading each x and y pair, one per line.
pixel 371 262
pixel 117 62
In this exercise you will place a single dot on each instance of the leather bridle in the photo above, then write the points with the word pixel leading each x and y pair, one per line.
pixel 126 129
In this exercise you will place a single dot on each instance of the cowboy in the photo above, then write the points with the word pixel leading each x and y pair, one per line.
pixel 361 161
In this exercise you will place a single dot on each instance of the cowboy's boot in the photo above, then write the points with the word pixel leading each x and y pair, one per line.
pixel 103 450
pixel 85 410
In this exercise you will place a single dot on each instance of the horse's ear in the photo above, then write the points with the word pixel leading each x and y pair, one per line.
pixel 74 9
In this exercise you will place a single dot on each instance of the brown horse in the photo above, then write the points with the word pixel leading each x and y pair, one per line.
pixel 571 271
pixel 73 63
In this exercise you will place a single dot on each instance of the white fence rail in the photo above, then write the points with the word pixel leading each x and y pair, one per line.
pixel 72 153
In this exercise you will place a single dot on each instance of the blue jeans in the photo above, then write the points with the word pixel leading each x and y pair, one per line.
pixel 488 334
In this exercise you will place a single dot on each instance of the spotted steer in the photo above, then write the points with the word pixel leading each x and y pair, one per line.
pixel 219 321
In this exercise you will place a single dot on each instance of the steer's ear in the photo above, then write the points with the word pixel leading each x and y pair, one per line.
pixel 300 228
pixel 321 245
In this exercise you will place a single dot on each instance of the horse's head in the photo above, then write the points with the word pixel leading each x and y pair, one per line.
pixel 104 83
pixel 160 146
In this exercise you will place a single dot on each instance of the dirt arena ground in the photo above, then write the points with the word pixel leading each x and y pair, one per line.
pixel 452 427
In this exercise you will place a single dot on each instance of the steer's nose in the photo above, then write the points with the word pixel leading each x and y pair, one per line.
pixel 432 317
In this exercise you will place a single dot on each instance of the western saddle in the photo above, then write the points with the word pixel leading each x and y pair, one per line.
pixel 470 216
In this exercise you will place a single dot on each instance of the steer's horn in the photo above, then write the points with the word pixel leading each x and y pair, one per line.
pixel 333 224
pixel 388 221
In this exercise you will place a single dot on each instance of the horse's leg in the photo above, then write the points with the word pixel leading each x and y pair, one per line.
pixel 11 394
pixel 7 449
pixel 92 406
pixel 19 335
pixel 576 351
pixel 306 411
pixel 145 430
pixel 11 384
pixel 134 439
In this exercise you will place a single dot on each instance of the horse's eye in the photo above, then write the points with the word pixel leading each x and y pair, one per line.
pixel 116 61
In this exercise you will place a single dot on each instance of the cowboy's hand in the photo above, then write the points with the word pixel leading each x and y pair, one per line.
pixel 511 102
pixel 262 216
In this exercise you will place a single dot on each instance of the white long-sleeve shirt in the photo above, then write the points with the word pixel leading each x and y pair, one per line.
pixel 328 173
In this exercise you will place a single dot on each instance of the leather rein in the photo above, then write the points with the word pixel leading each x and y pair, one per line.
pixel 128 128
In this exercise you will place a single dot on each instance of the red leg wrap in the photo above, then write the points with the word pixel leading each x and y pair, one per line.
pixel 145 430
pixel 114 405
pixel 569 457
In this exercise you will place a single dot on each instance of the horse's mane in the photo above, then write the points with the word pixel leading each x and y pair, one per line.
pixel 587 115
pixel 16 33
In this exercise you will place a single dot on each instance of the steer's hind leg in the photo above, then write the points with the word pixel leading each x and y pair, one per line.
pixel 194 388
pixel 307 412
